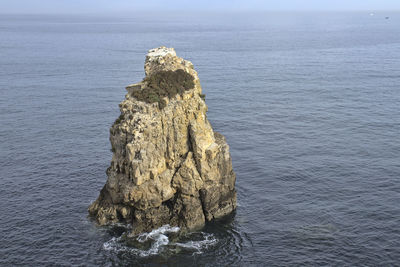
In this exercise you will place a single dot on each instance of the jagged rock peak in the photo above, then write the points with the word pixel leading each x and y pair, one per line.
pixel 164 58
pixel 168 165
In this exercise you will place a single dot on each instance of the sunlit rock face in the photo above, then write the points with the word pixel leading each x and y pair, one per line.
pixel 168 165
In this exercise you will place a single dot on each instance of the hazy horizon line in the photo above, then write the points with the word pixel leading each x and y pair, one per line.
pixel 191 11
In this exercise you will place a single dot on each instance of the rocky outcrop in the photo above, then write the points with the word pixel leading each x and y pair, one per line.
pixel 168 165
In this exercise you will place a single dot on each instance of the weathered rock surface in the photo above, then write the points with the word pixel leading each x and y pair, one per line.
pixel 168 165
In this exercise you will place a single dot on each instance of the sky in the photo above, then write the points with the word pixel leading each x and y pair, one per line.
pixel 112 6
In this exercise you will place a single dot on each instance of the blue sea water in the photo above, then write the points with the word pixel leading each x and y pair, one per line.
pixel 309 103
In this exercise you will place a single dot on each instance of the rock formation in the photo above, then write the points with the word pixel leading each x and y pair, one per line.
pixel 168 165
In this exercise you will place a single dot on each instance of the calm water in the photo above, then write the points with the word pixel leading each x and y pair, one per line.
pixel 309 103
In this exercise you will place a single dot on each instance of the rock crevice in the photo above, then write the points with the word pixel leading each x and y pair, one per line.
pixel 168 165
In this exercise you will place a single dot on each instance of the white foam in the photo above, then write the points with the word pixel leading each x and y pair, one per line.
pixel 159 240
pixel 198 246
pixel 157 237
pixel 156 233
pixel 110 244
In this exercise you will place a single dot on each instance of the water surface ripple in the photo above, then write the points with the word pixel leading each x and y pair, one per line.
pixel 309 104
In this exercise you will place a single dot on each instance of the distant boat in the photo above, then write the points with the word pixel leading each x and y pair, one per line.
pixel 386 17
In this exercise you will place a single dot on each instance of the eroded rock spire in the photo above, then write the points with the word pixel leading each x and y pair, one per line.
pixel 168 165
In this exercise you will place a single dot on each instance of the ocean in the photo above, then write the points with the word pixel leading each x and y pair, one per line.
pixel 309 103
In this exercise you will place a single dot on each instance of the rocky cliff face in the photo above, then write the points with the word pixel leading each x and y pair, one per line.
pixel 168 165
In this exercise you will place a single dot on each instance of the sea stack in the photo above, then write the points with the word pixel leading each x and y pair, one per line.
pixel 168 165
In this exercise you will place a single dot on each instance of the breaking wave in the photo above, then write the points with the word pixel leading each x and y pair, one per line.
pixel 198 246
pixel 165 239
